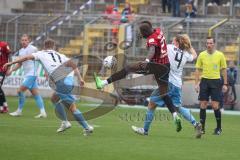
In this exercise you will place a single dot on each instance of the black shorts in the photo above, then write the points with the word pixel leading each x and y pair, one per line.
pixel 160 72
pixel 2 76
pixel 210 88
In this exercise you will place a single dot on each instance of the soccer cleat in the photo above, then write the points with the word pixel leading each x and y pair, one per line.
pixel 64 126
pixel 98 81
pixel 4 109
pixel 139 131
pixel 217 131
pixel 178 124
pixel 16 113
pixel 198 129
pixel 41 115
pixel 88 131
pixel 203 131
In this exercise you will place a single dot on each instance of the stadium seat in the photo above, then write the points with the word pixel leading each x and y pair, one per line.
pixel 95 34
pixel 70 51
pixel 133 2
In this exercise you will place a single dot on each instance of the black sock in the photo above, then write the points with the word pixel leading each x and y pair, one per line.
pixel 167 100
pixel 117 76
pixel 202 117
pixel 218 118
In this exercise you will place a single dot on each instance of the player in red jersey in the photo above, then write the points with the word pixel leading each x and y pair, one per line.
pixel 156 63
pixel 4 57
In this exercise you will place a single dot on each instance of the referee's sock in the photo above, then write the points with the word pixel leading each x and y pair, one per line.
pixel 218 117
pixel 202 117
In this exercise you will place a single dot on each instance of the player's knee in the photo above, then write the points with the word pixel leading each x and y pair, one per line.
pixel 34 92
pixel 54 98
pixel 203 105
pixel 215 105
pixel 151 105
pixel 20 92
pixel 72 108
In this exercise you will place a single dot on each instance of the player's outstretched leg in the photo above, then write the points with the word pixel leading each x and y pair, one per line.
pixel 186 113
pixel 132 68
pixel 87 129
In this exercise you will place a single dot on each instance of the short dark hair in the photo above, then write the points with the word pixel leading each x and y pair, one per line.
pixel 209 37
pixel 146 22
pixel 145 29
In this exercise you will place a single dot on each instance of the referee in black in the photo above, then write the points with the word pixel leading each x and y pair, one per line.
pixel 210 63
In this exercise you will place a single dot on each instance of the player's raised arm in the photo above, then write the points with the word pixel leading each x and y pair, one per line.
pixel 10 70
pixel 193 52
pixel 19 60
pixel 70 63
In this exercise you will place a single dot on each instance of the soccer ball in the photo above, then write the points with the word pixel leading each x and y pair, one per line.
pixel 109 62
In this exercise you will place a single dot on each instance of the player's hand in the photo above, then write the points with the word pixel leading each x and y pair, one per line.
pixel 163 55
pixel 6 65
pixel 82 82
pixel 224 88
pixel 197 88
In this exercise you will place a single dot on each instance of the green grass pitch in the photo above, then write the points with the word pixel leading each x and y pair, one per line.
pixel 26 138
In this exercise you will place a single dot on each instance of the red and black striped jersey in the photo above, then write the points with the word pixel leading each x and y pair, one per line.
pixel 157 40
pixel 4 54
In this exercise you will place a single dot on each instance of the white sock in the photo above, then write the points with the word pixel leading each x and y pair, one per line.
pixel 42 111
pixel 174 115
pixel 5 104
pixel 19 110
pixel 104 82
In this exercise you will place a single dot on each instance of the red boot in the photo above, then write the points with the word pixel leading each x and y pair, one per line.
pixel 5 109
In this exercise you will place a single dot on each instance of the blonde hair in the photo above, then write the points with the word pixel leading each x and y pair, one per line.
pixel 49 44
pixel 26 35
pixel 183 41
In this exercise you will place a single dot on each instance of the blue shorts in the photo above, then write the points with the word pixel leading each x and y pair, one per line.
pixel 30 82
pixel 174 92
pixel 64 89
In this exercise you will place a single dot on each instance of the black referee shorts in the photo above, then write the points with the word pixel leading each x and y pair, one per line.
pixel 210 88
